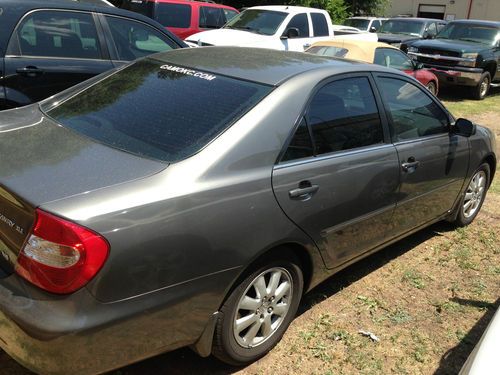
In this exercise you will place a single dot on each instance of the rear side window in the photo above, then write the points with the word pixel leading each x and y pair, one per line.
pixel 320 26
pixel 157 110
pixel 57 34
pixel 413 113
pixel 211 18
pixel 134 39
pixel 173 15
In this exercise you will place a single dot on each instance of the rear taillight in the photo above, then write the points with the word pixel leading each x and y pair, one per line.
pixel 61 256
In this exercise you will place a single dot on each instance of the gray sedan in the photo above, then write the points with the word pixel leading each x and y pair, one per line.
pixel 193 197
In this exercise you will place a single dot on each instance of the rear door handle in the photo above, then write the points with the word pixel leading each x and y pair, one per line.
pixel 410 166
pixel 30 71
pixel 304 191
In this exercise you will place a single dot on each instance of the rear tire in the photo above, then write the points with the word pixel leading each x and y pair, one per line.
pixel 258 311
pixel 480 91
pixel 473 198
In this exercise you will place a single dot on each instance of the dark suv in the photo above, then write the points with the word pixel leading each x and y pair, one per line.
pixel 48 46
pixel 465 53
pixel 399 31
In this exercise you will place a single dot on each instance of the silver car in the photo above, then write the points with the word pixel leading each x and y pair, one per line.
pixel 193 197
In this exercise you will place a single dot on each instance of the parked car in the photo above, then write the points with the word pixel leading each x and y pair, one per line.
pixel 377 53
pixel 48 46
pixel 398 31
pixel 192 197
pixel 484 358
pixel 371 24
pixel 290 28
pixel 464 53
pixel 184 18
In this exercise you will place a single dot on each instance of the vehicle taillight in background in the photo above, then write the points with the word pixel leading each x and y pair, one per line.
pixel 61 256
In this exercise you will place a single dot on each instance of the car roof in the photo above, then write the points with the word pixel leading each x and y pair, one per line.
pixel 479 22
pixel 260 65
pixel 288 9
pixel 358 49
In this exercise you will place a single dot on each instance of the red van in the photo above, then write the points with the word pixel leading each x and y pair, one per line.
pixel 183 17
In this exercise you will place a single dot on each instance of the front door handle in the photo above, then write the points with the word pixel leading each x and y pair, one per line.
pixel 411 165
pixel 30 71
pixel 304 191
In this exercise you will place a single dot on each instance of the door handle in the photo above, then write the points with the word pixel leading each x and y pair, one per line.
pixel 411 165
pixel 30 71
pixel 304 191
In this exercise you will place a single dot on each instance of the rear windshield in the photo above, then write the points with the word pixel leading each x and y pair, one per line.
pixel 158 110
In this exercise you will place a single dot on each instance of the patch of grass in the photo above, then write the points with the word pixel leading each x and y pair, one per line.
pixel 448 306
pixel 321 350
pixel 420 349
pixel 478 287
pixel 371 304
pixel 467 108
pixel 463 258
pixel 414 278
pixel 399 316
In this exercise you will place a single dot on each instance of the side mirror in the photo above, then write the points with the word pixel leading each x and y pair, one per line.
pixel 373 29
pixel 464 127
pixel 290 33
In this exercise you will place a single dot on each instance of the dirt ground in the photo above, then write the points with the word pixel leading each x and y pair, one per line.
pixel 427 298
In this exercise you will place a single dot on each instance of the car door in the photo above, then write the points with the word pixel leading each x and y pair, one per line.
pixel 130 39
pixel 51 50
pixel 337 179
pixel 433 161
pixel 303 40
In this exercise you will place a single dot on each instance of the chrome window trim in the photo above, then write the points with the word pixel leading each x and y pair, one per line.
pixel 332 155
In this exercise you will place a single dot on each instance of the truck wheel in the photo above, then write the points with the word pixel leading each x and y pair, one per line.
pixel 480 91
pixel 257 313
pixel 432 87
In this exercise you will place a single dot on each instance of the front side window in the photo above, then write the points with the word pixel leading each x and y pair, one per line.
pixel 134 39
pixel 301 23
pixel 156 109
pixel 173 15
pixel 413 113
pixel 211 18
pixel 392 58
pixel 57 34
pixel 320 26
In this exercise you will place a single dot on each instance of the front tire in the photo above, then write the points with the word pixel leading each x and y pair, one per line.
pixel 258 311
pixel 480 91
pixel 474 196
pixel 432 87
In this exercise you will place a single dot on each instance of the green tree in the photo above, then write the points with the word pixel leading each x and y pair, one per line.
pixel 337 9
pixel 367 7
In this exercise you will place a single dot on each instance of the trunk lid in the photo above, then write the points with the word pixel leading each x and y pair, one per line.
pixel 41 161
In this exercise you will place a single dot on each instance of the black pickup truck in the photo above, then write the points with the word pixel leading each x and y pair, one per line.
pixel 465 53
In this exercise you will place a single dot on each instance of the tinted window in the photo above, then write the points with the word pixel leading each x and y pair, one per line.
pixel 211 18
pixel 58 34
pixel 134 39
pixel 300 22
pixel 328 51
pixel 376 24
pixel 173 15
pixel 408 27
pixel 320 26
pixel 440 26
pixel 358 23
pixel 432 30
pixel 392 58
pixel 301 144
pixel 158 110
pixel 343 115
pixel 470 33
pixel 256 20
pixel 414 114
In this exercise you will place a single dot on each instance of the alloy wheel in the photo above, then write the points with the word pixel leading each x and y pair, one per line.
pixel 474 194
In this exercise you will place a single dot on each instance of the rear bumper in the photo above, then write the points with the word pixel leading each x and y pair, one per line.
pixel 76 334
pixel 456 76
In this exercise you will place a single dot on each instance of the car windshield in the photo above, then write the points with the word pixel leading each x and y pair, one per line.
pixel 357 23
pixel 470 33
pixel 157 110
pixel 258 21
pixel 408 27
pixel 330 51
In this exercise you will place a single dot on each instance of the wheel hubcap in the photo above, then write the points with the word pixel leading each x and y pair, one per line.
pixel 484 87
pixel 474 194
pixel 263 307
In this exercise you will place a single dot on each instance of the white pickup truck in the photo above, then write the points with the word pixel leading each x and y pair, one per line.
pixel 280 27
